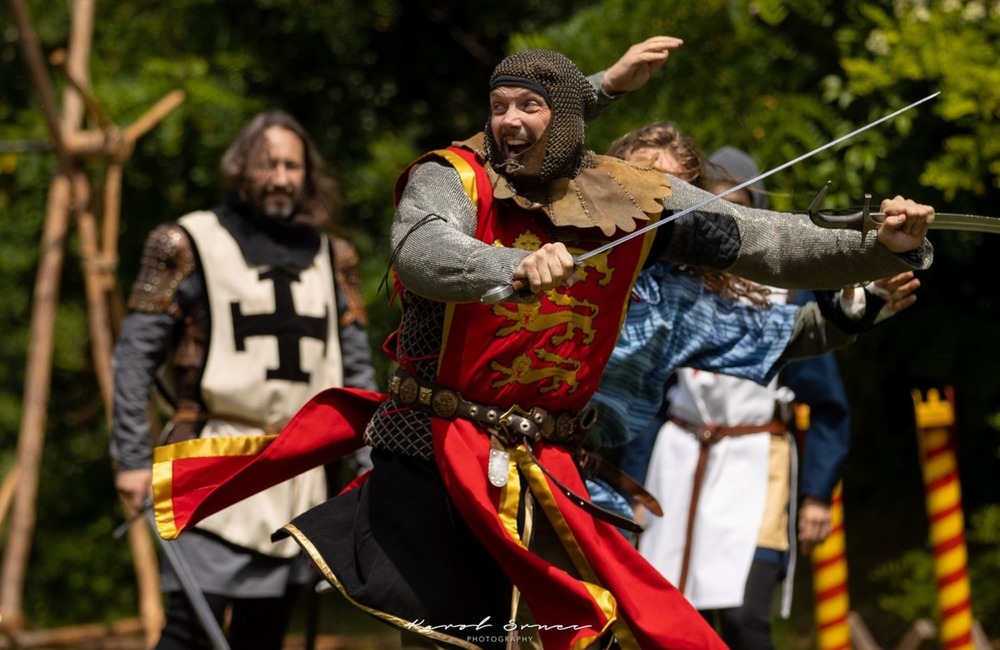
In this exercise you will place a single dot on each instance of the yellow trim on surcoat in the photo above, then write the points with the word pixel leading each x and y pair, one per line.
pixel 163 469
pixel 539 487
pixel 510 501
pixel 465 172
pixel 393 620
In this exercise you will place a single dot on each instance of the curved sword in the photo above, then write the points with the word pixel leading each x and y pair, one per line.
pixel 505 291
pixel 864 221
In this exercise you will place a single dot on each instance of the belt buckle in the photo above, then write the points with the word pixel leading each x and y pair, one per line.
pixel 709 434
pixel 518 421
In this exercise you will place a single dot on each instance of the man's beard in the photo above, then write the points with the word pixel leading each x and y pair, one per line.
pixel 282 211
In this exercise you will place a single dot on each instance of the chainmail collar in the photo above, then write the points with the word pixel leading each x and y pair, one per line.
pixel 608 193
pixel 570 97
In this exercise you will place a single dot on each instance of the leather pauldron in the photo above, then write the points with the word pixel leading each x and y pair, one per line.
pixel 167 259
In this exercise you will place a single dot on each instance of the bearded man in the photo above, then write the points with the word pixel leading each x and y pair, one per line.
pixel 474 528
pixel 254 310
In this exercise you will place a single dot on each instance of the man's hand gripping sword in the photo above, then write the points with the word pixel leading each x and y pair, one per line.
pixel 504 292
pixel 864 221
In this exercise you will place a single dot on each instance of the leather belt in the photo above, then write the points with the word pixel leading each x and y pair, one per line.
pixel 511 424
pixel 176 431
pixel 510 427
pixel 593 465
pixel 707 436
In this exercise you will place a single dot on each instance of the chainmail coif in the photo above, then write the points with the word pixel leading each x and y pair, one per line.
pixel 570 94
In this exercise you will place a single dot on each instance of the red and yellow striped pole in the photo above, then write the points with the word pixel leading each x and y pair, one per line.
pixel 936 435
pixel 829 564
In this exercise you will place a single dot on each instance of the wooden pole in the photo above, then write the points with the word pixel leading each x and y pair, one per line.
pixel 7 491
pixel 101 345
pixel 37 378
pixel 38 372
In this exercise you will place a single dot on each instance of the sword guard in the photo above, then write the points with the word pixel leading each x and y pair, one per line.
pixel 862 221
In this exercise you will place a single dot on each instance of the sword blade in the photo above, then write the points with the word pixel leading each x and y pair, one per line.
pixel 185 574
pixel 966 222
pixel 755 179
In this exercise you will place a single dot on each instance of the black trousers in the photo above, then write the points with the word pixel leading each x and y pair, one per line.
pixel 255 623
pixel 749 627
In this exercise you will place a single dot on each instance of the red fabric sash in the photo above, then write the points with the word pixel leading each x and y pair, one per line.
pixel 196 478
pixel 619 589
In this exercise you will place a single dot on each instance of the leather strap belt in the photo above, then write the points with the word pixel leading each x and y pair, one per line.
pixel 188 416
pixel 593 465
pixel 708 435
pixel 586 504
pixel 510 427
pixel 511 424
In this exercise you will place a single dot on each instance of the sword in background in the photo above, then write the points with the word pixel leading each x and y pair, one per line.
pixel 185 575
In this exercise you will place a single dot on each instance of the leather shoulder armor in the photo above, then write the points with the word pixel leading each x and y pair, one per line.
pixel 348 278
pixel 168 258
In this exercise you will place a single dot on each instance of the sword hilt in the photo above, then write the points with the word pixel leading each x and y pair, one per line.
pixel 520 288
pixel 862 221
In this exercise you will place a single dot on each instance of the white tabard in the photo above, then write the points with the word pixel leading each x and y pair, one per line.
pixel 262 366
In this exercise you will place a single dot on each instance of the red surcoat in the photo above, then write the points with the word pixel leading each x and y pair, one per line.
pixel 547 354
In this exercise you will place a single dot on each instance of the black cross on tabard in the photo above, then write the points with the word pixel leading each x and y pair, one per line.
pixel 284 324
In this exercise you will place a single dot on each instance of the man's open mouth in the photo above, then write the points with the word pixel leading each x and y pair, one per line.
pixel 514 147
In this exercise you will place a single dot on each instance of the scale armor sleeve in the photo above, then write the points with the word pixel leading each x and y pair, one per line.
pixel 348 278
pixel 167 259
pixel 779 249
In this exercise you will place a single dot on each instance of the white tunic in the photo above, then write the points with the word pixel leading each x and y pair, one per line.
pixel 734 491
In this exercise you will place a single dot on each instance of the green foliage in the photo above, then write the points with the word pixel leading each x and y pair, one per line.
pixel 908 587
pixel 907 583
pixel 984 542
pixel 949 47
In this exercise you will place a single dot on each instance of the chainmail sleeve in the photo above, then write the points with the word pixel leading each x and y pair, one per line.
pixel 604 100
pixel 435 251
pixel 775 248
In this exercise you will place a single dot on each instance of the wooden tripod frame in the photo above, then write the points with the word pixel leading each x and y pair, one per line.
pixel 69 199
